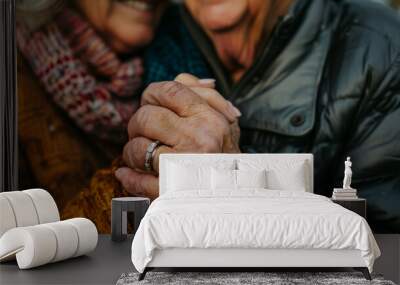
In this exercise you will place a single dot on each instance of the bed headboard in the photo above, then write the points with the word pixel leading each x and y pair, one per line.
pixel 212 158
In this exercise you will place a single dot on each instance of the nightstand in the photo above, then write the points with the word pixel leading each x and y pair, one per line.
pixel 358 206
pixel 119 220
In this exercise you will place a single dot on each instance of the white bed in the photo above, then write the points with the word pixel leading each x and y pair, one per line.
pixel 199 225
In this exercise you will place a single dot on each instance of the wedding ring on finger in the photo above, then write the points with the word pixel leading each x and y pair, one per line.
pixel 148 161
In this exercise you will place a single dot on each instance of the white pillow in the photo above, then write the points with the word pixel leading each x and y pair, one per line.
pixel 223 179
pixel 251 178
pixel 226 179
pixel 290 179
pixel 181 177
pixel 281 174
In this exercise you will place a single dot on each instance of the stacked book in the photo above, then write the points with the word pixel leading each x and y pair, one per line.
pixel 344 194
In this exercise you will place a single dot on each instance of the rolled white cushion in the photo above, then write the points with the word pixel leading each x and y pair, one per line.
pixel 45 205
pixel 87 235
pixel 26 208
pixel 23 208
pixel 40 244
pixel 67 240
pixel 33 246
pixel 7 218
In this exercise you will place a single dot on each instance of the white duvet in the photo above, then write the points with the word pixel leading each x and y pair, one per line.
pixel 250 219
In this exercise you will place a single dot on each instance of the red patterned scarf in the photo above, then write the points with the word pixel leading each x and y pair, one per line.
pixel 82 74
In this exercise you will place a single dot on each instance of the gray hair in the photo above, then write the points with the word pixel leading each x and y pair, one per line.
pixel 39 12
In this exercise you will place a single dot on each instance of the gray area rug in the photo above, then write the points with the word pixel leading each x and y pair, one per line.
pixel 269 278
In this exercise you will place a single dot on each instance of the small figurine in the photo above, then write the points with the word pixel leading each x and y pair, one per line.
pixel 347 174
pixel 347 192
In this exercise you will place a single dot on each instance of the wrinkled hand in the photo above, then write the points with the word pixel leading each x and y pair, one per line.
pixel 185 115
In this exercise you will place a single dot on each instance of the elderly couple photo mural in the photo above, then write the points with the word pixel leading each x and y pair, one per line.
pixel 102 82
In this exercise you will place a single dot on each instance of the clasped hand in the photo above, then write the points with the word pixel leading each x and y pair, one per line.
pixel 187 116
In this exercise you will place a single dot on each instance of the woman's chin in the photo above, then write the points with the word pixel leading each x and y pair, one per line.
pixel 136 41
